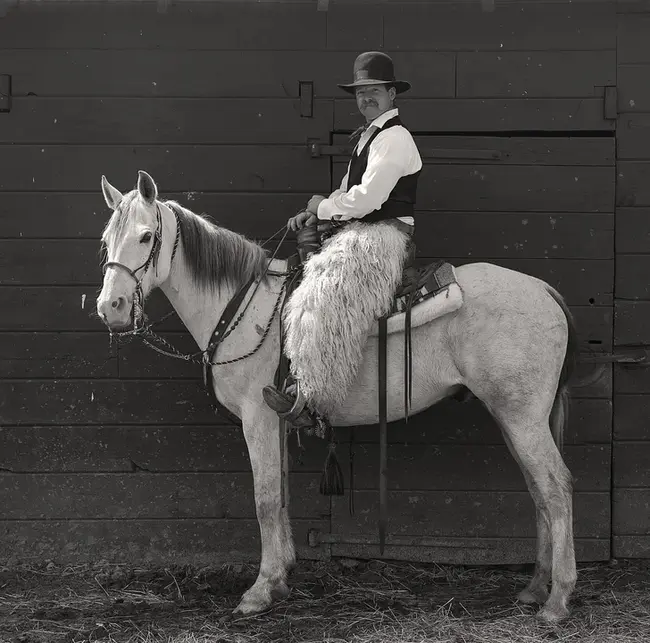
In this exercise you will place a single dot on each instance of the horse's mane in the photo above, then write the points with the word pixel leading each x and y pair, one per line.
pixel 214 256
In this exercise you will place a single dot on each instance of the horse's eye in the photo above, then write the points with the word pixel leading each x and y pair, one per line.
pixel 146 237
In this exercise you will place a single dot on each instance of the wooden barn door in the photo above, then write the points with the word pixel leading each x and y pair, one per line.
pixel 542 205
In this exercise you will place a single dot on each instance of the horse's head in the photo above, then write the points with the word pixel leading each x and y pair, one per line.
pixel 135 264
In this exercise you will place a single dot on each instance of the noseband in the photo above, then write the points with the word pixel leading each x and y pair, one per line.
pixel 138 298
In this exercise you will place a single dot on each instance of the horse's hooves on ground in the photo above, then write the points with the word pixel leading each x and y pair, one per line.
pixel 551 616
pixel 538 597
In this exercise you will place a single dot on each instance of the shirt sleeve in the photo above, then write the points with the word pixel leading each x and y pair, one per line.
pixel 387 160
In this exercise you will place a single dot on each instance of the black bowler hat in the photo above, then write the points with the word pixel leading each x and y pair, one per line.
pixel 374 68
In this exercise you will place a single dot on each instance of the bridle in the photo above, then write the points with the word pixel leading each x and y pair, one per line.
pixel 137 310
pixel 221 331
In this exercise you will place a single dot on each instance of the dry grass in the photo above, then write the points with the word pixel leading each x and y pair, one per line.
pixel 360 602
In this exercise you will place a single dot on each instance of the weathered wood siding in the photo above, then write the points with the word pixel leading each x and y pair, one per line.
pixel 117 453
pixel 631 447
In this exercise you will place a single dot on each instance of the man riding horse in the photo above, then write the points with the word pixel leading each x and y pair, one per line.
pixel 351 281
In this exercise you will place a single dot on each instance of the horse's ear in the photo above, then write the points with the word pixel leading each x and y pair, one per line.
pixel 147 187
pixel 112 195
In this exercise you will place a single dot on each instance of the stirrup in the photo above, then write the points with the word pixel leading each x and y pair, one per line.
pixel 297 408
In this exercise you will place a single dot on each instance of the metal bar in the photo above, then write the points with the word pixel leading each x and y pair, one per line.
pixel 316 538
pixel 317 149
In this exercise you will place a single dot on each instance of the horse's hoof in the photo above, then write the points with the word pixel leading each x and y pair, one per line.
pixel 250 606
pixel 280 591
pixel 552 615
pixel 533 597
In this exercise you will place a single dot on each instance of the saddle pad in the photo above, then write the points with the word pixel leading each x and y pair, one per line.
pixel 439 277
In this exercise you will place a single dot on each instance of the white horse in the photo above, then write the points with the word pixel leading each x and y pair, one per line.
pixel 512 344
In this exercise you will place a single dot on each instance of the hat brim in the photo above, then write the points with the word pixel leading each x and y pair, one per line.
pixel 401 86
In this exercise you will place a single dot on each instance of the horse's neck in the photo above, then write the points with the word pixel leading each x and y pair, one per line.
pixel 198 309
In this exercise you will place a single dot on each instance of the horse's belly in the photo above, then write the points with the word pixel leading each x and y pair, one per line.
pixel 434 377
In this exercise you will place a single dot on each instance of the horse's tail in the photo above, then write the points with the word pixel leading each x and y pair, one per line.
pixel 559 418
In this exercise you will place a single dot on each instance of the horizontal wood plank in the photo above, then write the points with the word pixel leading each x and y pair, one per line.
pixel 632 39
pixel 631 418
pixel 633 184
pixel 185 26
pixel 632 322
pixel 43 354
pixel 631 512
pixel 31 308
pixel 632 230
pixel 467 551
pixel 632 89
pixel 464 26
pixel 580 74
pixel 630 464
pixel 432 467
pixel 494 236
pixel 355 27
pixel 515 188
pixel 632 380
pixel 187 74
pixel 632 272
pixel 104 402
pixel 193 542
pixel 471 514
pixel 633 136
pixel 633 6
pixel 165 121
pixel 221 448
pixel 451 422
pixel 215 447
pixel 60 261
pixel 631 547
pixel 489 115
pixel 513 235
pixel 137 496
pixel 581 282
pixel 512 150
pixel 255 168
pixel 75 215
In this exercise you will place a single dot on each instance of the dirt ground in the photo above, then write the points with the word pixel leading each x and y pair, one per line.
pixel 338 601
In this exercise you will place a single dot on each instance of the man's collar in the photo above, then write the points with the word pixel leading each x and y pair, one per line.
pixel 380 121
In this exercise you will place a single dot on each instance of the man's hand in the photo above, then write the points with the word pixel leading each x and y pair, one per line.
pixel 314 202
pixel 301 220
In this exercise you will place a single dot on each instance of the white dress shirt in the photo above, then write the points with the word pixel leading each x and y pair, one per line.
pixel 392 155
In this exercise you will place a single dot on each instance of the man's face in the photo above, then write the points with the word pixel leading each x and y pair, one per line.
pixel 374 100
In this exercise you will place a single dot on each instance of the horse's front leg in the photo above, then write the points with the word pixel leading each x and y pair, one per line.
pixel 261 431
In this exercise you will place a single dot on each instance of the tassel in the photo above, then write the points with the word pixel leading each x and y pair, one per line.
pixel 331 482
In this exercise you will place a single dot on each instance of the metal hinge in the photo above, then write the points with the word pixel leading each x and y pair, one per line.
pixel 622 355
pixel 5 93
pixel 306 94
pixel 318 149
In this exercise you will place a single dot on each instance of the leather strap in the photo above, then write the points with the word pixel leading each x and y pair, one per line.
pixel 383 433
pixel 218 335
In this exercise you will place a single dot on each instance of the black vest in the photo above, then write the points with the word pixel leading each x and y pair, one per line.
pixel 401 200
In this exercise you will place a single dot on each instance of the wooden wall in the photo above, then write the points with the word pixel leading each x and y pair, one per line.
pixel 117 453
pixel 631 450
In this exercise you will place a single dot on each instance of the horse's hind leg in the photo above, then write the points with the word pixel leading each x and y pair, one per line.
pixel 549 481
